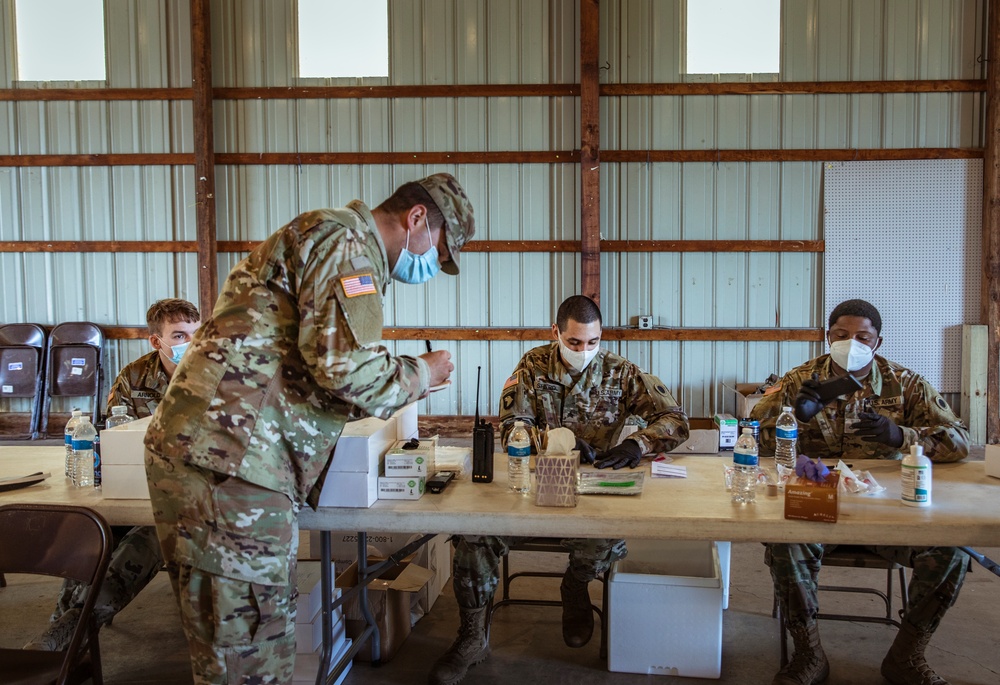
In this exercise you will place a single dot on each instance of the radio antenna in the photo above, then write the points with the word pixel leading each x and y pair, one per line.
pixel 479 374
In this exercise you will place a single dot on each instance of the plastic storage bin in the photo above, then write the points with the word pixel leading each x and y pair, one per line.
pixel 665 610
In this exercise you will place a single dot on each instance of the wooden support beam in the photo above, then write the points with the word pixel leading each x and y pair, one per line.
pixel 991 222
pixel 204 153
pixel 590 150
pixel 975 370
pixel 796 87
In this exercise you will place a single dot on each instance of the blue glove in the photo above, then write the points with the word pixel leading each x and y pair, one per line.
pixel 813 470
pixel 587 452
pixel 628 453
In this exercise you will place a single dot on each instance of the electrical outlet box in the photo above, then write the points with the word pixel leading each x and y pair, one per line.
pixel 646 322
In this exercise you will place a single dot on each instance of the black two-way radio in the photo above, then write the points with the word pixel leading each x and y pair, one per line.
pixel 482 443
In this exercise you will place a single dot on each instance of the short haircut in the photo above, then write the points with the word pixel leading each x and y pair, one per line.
pixel 170 310
pixel 579 308
pixel 410 194
pixel 856 308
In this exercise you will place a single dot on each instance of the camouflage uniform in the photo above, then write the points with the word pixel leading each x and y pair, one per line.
pixel 610 393
pixel 137 557
pixel 246 430
pixel 925 419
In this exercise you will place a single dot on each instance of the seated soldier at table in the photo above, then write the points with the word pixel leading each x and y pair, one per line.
pixel 895 408
pixel 569 383
pixel 137 557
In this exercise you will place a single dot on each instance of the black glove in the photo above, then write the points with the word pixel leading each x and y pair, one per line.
pixel 808 402
pixel 874 427
pixel 587 453
pixel 628 453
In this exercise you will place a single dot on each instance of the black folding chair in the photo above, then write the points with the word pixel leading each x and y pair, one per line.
pixel 76 350
pixel 22 371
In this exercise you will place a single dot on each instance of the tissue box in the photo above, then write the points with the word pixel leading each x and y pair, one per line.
pixel 728 430
pixel 555 480
pixel 416 462
pixel 807 500
pixel 993 460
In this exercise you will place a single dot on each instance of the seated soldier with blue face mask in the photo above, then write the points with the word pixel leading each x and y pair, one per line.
pixel 136 558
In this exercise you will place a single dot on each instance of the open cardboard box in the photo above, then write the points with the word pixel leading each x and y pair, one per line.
pixel 702 439
pixel 389 598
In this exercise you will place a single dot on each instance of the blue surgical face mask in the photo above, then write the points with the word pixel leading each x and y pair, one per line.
pixel 416 269
pixel 176 351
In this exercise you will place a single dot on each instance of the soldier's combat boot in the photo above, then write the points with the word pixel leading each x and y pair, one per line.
pixel 905 663
pixel 469 648
pixel 578 615
pixel 809 665
pixel 59 633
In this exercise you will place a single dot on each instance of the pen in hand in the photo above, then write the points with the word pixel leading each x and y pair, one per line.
pixel 428 345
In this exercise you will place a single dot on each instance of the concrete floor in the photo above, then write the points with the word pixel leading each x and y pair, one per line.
pixel 145 643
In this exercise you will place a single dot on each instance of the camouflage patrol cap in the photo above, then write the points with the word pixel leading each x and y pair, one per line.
pixel 454 204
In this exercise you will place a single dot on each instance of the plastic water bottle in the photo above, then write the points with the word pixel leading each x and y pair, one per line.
pixel 916 471
pixel 68 438
pixel 518 457
pixel 744 483
pixel 83 453
pixel 786 438
pixel 119 415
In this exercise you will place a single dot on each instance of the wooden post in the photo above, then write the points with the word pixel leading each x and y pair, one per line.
pixel 590 150
pixel 991 223
pixel 974 384
pixel 204 154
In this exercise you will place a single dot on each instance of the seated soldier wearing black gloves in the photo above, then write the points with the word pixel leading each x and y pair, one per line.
pixel 887 411
pixel 569 383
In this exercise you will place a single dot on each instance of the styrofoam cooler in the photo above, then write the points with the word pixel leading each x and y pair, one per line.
pixel 665 609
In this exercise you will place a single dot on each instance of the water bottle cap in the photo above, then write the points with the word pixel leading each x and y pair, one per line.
pixel 119 409
pixel 747 431
pixel 788 409
pixel 519 423
pixel 77 412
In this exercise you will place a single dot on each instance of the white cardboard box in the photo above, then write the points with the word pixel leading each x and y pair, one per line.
pixel 401 487
pixel 406 422
pixel 124 481
pixel 309 636
pixel 729 430
pixel 349 489
pixel 419 461
pixel 992 464
pixel 310 600
pixel 703 438
pixel 307 666
pixel 665 604
pixel 746 399
pixel 124 444
pixel 362 445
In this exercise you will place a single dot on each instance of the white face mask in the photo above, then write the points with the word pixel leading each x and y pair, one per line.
pixel 577 361
pixel 851 355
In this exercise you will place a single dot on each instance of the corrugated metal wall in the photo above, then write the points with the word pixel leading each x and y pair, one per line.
pixel 472 42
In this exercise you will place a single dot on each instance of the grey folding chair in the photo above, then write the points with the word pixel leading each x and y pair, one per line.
pixel 75 354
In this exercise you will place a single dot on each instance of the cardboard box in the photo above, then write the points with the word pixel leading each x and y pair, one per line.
pixel 389 598
pixel 703 438
pixel 418 461
pixel 401 487
pixel 362 445
pixel 124 444
pixel 728 430
pixel 406 422
pixel 124 481
pixel 992 464
pixel 435 555
pixel 746 398
pixel 665 604
pixel 349 489
pixel 307 666
pixel 310 600
pixel 807 500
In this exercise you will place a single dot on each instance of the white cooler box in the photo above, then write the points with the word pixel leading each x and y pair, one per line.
pixel 665 610
pixel 123 470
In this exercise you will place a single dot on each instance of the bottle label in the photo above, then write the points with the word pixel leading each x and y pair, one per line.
pixel 515 451
pixel 790 433
pixel 83 445
pixel 69 439
pixel 744 459
pixel 916 483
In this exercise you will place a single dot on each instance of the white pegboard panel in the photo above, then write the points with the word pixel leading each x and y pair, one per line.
pixel 907 237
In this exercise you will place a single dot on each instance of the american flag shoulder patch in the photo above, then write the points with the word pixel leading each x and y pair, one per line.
pixel 358 284
pixel 510 381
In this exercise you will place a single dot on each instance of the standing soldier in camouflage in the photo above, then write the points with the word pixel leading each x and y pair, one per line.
pixel 137 558
pixel 895 409
pixel 569 383
pixel 244 435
